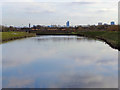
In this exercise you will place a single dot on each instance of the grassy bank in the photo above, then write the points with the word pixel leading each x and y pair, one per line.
pixel 7 36
pixel 110 37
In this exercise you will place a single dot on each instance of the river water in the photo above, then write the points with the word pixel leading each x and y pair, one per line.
pixel 59 62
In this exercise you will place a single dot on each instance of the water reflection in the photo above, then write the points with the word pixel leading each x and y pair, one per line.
pixel 62 38
pixel 59 62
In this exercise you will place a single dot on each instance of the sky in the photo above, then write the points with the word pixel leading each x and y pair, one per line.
pixel 58 12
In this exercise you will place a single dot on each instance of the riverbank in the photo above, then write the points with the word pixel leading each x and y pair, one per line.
pixel 8 36
pixel 110 37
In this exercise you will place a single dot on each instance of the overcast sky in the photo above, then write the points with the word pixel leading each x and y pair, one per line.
pixel 47 12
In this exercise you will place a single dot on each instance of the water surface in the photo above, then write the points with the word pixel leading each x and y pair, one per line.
pixel 59 62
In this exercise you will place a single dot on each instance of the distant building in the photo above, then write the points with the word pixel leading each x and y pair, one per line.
pixel 105 24
pixel 112 23
pixel 99 23
pixel 34 27
pixel 48 26
pixel 67 23
pixel 59 25
pixel 53 26
pixel 29 25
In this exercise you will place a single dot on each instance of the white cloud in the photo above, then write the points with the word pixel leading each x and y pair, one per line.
pixel 40 8
pixel 47 12
pixel 107 10
pixel 59 1
pixel 17 1
pixel 87 0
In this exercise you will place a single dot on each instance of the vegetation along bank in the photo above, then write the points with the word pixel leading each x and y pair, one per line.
pixel 7 36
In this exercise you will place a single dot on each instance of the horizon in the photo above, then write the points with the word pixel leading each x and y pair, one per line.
pixel 88 12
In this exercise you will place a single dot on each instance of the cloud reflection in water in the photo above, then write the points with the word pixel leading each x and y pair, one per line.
pixel 59 61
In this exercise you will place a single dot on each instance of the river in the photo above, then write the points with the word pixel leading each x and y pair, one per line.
pixel 59 62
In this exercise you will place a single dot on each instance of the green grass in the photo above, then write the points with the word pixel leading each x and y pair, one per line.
pixel 110 36
pixel 6 36
pixel 74 33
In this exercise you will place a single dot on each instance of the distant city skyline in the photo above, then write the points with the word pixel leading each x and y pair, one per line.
pixel 67 24
pixel 88 12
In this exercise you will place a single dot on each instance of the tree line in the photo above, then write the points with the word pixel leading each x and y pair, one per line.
pixel 76 28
